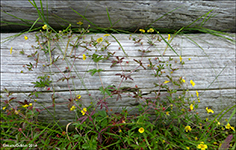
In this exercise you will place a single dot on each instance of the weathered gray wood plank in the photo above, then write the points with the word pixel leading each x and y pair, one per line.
pixel 132 14
pixel 216 58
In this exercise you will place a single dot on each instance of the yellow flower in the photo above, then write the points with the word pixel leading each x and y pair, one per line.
pixel 141 130
pixel 209 110
pixel 215 143
pixel 163 141
pixel 11 50
pixel 218 123
pixel 232 128
pixel 3 108
pixel 120 130
pixel 25 105
pixel 84 111
pixel 196 138
pixel 197 93
pixel 228 126
pixel 188 128
pixel 78 97
pixel 99 40
pixel 30 104
pixel 189 58
pixel 150 30
pixel 26 38
pixel 35 100
pixel 191 81
pixel 45 27
pixel 182 109
pixel 206 119
pixel 168 37
pixel 198 100
pixel 180 58
pixel 17 112
pixel 191 107
pixel 79 23
pixel 166 82
pixel 142 30
pixel 84 56
pixel 167 113
pixel 106 35
pixel 72 108
pixel 187 148
pixel 202 146
pixel 220 145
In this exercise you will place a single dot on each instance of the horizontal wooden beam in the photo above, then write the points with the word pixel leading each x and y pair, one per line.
pixel 128 15
pixel 212 68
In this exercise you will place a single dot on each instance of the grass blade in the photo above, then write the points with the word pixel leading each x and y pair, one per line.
pixel 84 17
pixel 109 17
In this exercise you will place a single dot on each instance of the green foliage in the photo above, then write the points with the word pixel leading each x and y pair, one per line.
pixel 43 82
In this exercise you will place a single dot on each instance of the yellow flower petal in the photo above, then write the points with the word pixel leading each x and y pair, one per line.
pixel 45 27
pixel 99 40
pixel 191 81
pixel 79 23
pixel 166 82
pixel 141 130
pixel 168 37
pixel 197 93
pixel 26 38
pixel 84 56
pixel 11 50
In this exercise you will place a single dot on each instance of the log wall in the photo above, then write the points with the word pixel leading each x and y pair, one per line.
pixel 212 67
pixel 131 15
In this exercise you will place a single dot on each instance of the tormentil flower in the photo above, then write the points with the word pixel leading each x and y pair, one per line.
pixel 84 56
pixel 191 107
pixel 150 30
pixel 209 110
pixel 99 40
pixel 78 97
pixel 167 113
pixel 45 27
pixel 72 108
pixel 141 130
pixel 180 58
pixel 26 38
pixel 183 80
pixel 166 82
pixel 11 50
pixel 191 81
pixel 142 30
pixel 202 146
pixel 168 37
pixel 3 108
pixel 188 128
pixel 228 126
pixel 26 105
pixel 106 35
pixel 79 23
pixel 197 93
pixel 84 111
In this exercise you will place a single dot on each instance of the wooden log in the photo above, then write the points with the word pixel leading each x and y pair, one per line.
pixel 128 15
pixel 212 67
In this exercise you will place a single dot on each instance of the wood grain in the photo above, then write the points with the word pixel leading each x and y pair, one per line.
pixel 212 67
